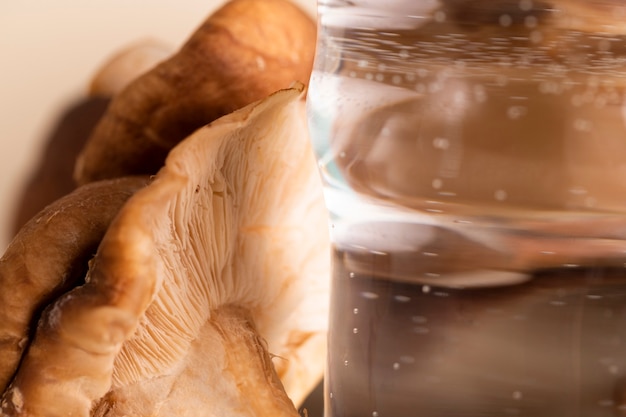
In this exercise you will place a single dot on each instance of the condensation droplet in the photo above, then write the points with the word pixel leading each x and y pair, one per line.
pixel 516 112
pixel 355 311
pixel 590 202
pixel 396 366
pixel 578 191
pixel 369 295
pixel 517 395
pixel 426 289
pixel 402 298
pixel 396 79
pixel 441 143
pixel 500 195
pixel 480 95
pixel 583 125
pixel 419 319
pixel 355 330
pixel 526 5
pixel 549 87
pixel 346 363
pixel 440 16
pixel 351 274
pixel 531 22
pixel 536 36
pixel 421 330
pixel 505 20
pixel 437 183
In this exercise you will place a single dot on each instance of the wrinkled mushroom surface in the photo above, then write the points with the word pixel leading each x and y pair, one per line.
pixel 243 52
pixel 49 256
pixel 209 286
pixel 125 65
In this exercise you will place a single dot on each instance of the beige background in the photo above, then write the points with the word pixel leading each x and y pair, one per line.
pixel 49 50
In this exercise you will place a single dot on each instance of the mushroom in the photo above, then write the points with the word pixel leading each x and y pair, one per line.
pixel 127 64
pixel 49 256
pixel 209 286
pixel 243 52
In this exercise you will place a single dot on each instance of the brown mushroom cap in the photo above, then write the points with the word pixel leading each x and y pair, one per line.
pixel 127 64
pixel 243 52
pixel 217 266
pixel 49 256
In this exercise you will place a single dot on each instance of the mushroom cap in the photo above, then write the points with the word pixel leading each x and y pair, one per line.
pixel 125 65
pixel 49 256
pixel 241 53
pixel 210 285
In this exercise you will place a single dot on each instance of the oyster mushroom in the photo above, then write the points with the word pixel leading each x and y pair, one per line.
pixel 49 256
pixel 243 52
pixel 210 285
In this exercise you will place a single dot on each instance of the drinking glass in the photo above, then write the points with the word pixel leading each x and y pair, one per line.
pixel 473 154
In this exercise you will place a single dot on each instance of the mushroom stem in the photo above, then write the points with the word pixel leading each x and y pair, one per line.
pixel 244 362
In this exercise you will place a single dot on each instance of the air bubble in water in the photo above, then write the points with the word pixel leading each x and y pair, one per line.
pixel 374 413
pixel 505 20
pixel 369 295
pixel 421 330
pixel 531 22
pixel 396 366
pixel 355 311
pixel 583 125
pixel 536 36
pixel 526 5
pixel 480 95
pixel 500 195
pixel 516 112
pixel 441 143
pixel 355 330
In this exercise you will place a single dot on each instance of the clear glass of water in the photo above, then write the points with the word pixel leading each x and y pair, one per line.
pixel 473 154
